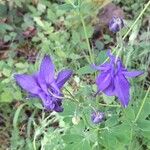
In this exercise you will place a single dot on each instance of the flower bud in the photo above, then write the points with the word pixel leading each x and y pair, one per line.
pixel 97 117
pixel 116 24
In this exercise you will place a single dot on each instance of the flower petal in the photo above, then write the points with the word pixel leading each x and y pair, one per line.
pixel 103 81
pixel 28 83
pixel 47 101
pixel 47 70
pixel 110 90
pixel 62 77
pixel 122 88
pixel 132 73
pixel 103 67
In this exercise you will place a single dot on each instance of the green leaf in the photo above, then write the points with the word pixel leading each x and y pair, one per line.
pixel 61 53
pixel 112 121
pixel 85 70
pixel 144 126
pixel 39 22
pixel 99 45
pixel 6 96
pixel 66 7
pixel 72 138
pixel 122 133
pixel 102 56
pixel 41 7
pixel 6 72
pixel 108 99
pixel 4 26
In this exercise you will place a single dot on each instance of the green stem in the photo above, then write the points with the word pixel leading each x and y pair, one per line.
pixel 86 37
pixel 120 40
pixel 142 105
pixel 16 116
pixel 98 139
pixel 34 142
pixel 109 105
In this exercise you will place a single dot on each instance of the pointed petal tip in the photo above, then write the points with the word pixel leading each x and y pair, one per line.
pixel 63 76
pixel 47 69
pixel 133 73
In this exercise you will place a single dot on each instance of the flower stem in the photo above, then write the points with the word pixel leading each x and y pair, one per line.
pixel 109 105
pixel 34 142
pixel 142 105
pixel 87 40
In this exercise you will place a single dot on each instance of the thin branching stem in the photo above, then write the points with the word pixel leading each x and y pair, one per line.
pixel 86 37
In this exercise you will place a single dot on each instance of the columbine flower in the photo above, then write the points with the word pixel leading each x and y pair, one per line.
pixel 113 79
pixel 116 24
pixel 44 85
pixel 97 117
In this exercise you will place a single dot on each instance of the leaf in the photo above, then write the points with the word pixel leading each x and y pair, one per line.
pixel 102 56
pixel 66 7
pixel 107 140
pixel 99 45
pixel 6 96
pixel 129 114
pixel 122 133
pixel 135 32
pixel 6 72
pixel 85 70
pixel 76 142
pixel 41 7
pixel 4 26
pixel 72 138
pixel 112 121
pixel 108 99
pixel 144 126
pixel 39 22
pixel 61 53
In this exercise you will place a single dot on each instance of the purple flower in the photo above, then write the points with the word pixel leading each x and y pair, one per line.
pixel 113 79
pixel 116 24
pixel 44 85
pixel 97 117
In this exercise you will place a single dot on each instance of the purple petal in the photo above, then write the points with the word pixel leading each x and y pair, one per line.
pixel 28 83
pixel 132 73
pixel 54 87
pixel 62 77
pixel 122 88
pixel 47 70
pixel 104 67
pixel 42 83
pixel 110 90
pixel 103 81
pixel 47 101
